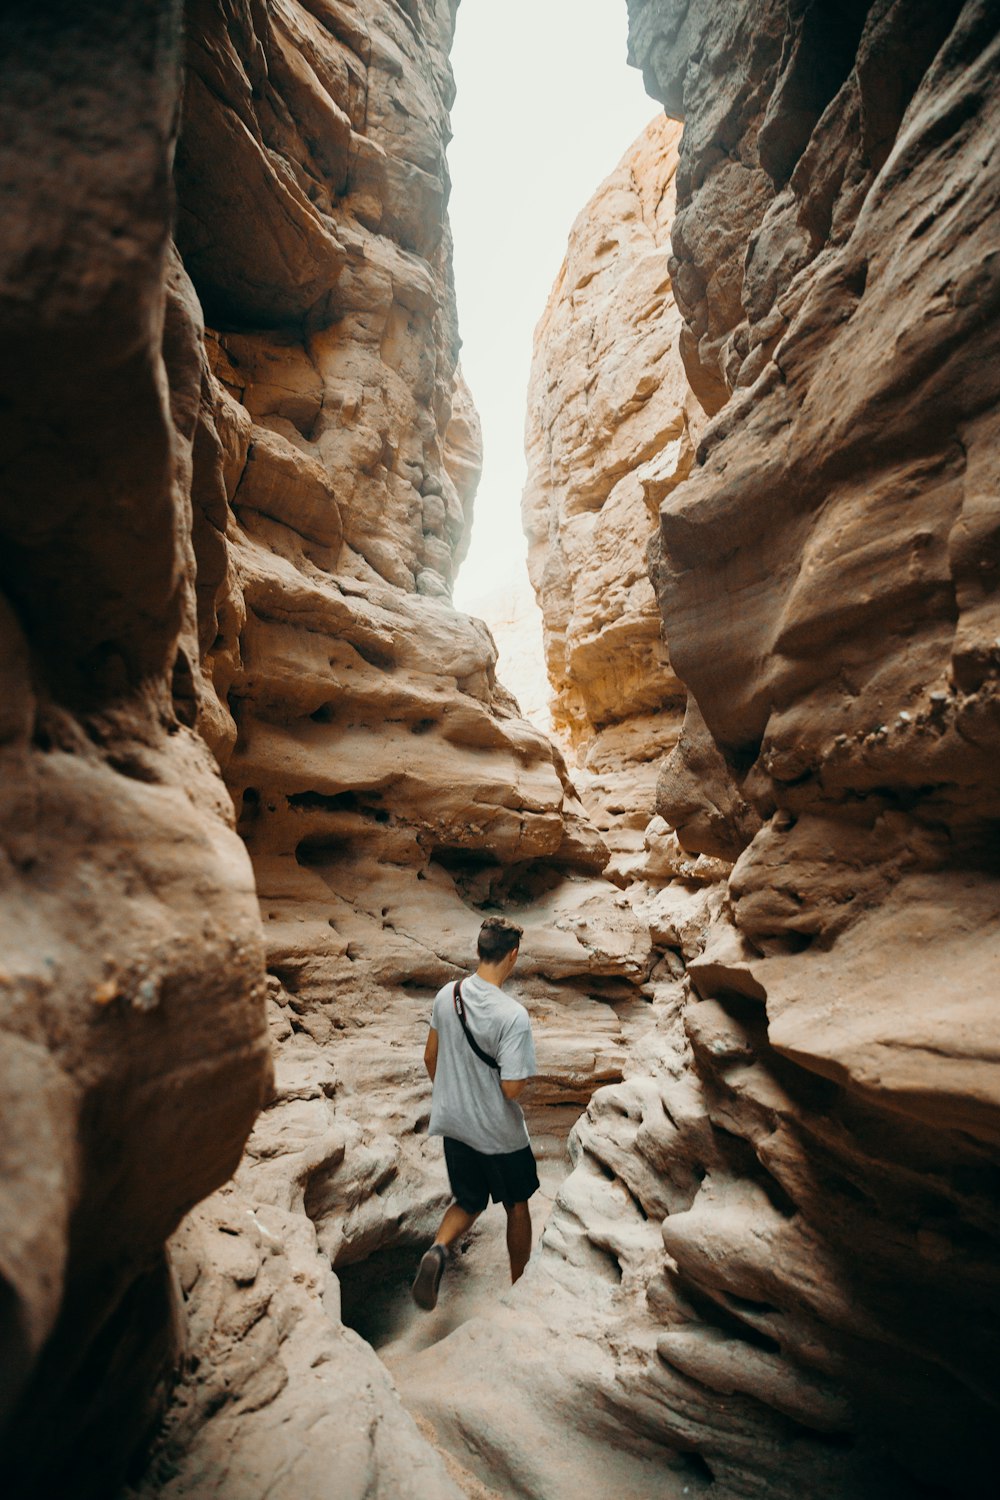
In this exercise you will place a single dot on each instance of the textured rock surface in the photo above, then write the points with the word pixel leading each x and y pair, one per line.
pixel 386 787
pixel 240 477
pixel 773 1268
pixel 827 577
pixel 610 431
pixel 134 1052
pixel 809 1128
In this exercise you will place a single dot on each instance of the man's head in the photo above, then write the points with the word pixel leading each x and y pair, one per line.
pixel 498 943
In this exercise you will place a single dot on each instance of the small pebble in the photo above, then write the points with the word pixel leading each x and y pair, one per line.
pixel 147 996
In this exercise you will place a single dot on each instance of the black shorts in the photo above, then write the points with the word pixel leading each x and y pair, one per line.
pixel 510 1177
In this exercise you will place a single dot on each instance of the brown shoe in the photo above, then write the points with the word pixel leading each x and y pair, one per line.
pixel 428 1278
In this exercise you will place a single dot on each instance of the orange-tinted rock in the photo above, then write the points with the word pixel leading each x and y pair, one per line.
pixel 386 788
pixel 233 546
pixel 608 435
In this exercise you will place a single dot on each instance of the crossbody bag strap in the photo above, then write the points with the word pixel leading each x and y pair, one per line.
pixel 490 1062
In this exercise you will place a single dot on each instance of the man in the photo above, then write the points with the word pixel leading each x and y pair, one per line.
pixel 480 1054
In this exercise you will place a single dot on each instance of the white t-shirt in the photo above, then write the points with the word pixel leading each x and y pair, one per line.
pixel 468 1103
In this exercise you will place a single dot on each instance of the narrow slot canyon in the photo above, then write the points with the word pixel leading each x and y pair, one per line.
pixel 262 780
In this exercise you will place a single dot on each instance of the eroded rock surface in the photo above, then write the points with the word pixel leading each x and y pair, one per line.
pixel 611 429
pixel 239 473
pixel 841 521
pixel 387 789
pixel 134 1053
pixel 241 469
pixel 791 1197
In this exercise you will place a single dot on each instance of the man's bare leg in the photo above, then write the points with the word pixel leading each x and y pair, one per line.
pixel 518 1237
pixel 428 1278
pixel 454 1224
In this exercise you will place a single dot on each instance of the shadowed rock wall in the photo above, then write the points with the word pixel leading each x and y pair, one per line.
pixel 239 539
pixel 827 577
pixel 134 1053
pixel 387 790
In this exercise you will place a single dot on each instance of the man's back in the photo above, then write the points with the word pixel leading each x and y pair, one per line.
pixel 486 1147
pixel 468 1103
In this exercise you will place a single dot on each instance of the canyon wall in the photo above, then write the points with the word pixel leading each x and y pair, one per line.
pixel 242 464
pixel 773 1268
pixel 611 430
pixel 239 471
pixel 134 1046
pixel 828 584
pixel 388 791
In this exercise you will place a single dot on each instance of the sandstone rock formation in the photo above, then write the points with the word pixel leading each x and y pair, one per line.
pixel 134 1047
pixel 239 473
pixel 791 1196
pixel 239 555
pixel 610 431
pixel 839 520
pixel 387 791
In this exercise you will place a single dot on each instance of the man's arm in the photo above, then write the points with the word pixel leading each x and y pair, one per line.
pixel 431 1054
pixel 516 1054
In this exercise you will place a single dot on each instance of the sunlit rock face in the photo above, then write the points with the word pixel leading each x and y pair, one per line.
pixel 387 789
pixel 240 474
pixel 827 577
pixel 610 431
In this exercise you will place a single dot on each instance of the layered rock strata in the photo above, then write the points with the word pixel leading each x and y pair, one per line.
pixel 610 431
pixel 237 552
pixel 791 1196
pixel 840 521
pixel 387 791
pixel 773 1269
pixel 134 1047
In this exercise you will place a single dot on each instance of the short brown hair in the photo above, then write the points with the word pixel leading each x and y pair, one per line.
pixel 497 938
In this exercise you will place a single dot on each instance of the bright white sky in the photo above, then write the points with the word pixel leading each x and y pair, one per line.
pixel 546 107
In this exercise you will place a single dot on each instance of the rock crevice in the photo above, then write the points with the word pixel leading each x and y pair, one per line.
pixel 260 782
pixel 246 473
pixel 787 1202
